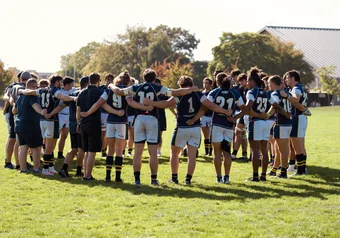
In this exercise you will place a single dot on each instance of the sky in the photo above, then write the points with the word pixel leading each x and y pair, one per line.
pixel 34 34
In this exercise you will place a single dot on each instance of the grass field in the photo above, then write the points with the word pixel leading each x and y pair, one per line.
pixel 307 206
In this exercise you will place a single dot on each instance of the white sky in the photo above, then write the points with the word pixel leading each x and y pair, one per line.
pixel 35 33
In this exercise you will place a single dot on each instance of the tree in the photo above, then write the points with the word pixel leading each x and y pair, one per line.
pixel 246 50
pixel 169 73
pixel 6 76
pixel 329 83
pixel 200 72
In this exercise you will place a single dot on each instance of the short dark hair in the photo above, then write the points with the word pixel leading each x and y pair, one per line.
pixel 242 76
pixel 94 78
pixel 158 81
pixel 67 80
pixel 276 79
pixel 109 76
pixel 149 75
pixel 123 78
pixel 294 73
pixel 217 72
pixel 35 76
pixel 55 78
pixel 253 74
pixel 185 81
pixel 84 81
pixel 44 82
pixel 208 79
pixel 235 72
pixel 223 80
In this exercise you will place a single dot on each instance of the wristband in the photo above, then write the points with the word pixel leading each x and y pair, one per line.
pixel 268 114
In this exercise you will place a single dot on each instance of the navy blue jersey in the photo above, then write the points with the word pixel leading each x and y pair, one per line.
pixel 299 90
pixel 27 119
pixel 118 103
pixel 284 103
pixel 147 90
pixel 208 113
pixel 103 88
pixel 73 112
pixel 272 117
pixel 48 100
pixel 130 111
pixel 227 99
pixel 260 99
pixel 187 107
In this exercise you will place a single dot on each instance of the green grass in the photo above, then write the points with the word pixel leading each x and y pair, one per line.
pixel 307 206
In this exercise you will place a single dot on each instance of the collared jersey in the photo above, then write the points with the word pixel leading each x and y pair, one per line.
pixel 227 99
pixel 116 102
pixel 187 107
pixel 284 103
pixel 299 90
pixel 147 90
pixel 48 100
pixel 260 99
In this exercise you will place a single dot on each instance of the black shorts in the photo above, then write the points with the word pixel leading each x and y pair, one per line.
pixel 91 136
pixel 31 139
pixel 76 141
pixel 241 121
pixel 162 124
pixel 11 133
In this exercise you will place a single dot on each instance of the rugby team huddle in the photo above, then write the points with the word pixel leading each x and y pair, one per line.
pixel 123 113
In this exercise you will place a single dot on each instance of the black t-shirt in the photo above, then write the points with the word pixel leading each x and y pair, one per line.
pixel 86 99
pixel 27 119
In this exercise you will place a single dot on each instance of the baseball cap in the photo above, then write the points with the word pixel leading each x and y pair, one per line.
pixel 25 75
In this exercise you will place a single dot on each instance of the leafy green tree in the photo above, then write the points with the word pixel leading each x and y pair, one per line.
pixel 329 83
pixel 246 50
pixel 6 76
pixel 199 72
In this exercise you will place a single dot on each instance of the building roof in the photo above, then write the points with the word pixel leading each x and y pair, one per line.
pixel 320 46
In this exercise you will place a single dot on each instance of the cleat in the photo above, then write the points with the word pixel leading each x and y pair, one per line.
pixel 252 179
pixel 79 175
pixel 175 181
pixel 281 175
pixel 46 172
pixel 226 180
pixel 88 179
pixel 9 166
pixel 291 168
pixel 52 170
pixel 63 173
pixel 128 155
pixel 108 179
pixel 187 182
pixel 233 157
pixel 26 171
pixel 154 183
pixel 138 184
pixel 263 178
pixel 119 180
pixel 36 171
pixel 219 180
pixel 17 167
pixel 272 174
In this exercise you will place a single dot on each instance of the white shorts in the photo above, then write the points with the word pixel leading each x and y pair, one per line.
pixel 104 120
pixel 7 121
pixel 183 136
pixel 49 129
pixel 206 121
pixel 299 126
pixel 146 129
pixel 218 134
pixel 130 120
pixel 116 131
pixel 64 121
pixel 282 132
pixel 259 130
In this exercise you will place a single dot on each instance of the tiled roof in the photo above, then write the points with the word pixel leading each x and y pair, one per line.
pixel 320 46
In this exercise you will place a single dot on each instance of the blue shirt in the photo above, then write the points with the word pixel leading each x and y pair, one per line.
pixel 187 107
pixel 299 90
pixel 260 99
pixel 227 99
pixel 284 103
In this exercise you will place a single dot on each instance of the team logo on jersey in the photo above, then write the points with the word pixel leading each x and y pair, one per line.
pixel 146 87
pixel 225 92
pixel 261 92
